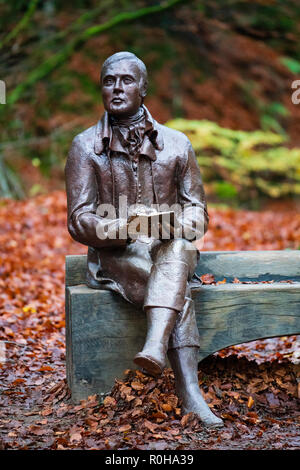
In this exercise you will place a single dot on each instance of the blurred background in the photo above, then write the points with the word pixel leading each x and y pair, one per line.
pixel 220 71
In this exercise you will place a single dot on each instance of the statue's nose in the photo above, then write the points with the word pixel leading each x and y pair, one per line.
pixel 118 85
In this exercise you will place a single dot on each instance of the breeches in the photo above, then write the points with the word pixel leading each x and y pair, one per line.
pixel 156 274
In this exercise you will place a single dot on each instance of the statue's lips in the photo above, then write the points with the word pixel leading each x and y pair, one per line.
pixel 117 100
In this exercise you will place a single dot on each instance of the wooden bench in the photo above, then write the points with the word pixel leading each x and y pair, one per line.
pixel 104 332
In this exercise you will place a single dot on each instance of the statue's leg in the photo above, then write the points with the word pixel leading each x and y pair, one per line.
pixel 160 323
pixel 184 362
pixel 173 264
pixel 183 357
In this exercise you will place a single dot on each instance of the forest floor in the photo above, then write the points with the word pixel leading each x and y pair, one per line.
pixel 254 387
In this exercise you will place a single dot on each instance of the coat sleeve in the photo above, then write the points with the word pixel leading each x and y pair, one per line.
pixel 194 217
pixel 84 225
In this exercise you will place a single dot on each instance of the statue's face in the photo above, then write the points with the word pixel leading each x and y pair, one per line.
pixel 121 92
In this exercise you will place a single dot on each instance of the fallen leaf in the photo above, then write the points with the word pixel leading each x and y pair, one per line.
pixel 166 407
pixel 150 426
pixel 125 428
pixel 46 412
pixel 75 437
pixel 250 402
pixel 186 419
pixel 109 402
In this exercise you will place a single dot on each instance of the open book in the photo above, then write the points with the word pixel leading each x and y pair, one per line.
pixel 155 224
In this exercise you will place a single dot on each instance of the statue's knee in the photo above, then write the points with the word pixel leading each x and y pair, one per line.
pixel 180 245
pixel 178 249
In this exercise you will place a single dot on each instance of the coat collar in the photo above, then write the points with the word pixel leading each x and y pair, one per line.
pixel 153 139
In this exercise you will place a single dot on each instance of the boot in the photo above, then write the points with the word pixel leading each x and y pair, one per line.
pixel 184 362
pixel 160 323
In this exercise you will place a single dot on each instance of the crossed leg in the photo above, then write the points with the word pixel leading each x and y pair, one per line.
pixel 156 278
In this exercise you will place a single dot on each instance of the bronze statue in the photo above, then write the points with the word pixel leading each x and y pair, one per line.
pixel 129 156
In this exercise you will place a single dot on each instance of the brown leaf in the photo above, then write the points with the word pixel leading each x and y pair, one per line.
pixel 186 419
pixel 226 435
pixel 46 412
pixel 137 386
pixel 172 400
pixel 109 402
pixel 137 412
pixel 150 426
pixel 159 415
pixel 252 417
pixel 125 428
pixel 75 437
pixel 138 402
pixel 38 431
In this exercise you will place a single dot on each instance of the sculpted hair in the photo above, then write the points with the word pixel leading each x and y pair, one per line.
pixel 127 56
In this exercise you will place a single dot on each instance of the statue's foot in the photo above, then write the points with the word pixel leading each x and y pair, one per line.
pixel 194 402
pixel 149 364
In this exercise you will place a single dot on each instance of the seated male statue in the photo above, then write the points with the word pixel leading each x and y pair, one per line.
pixel 128 156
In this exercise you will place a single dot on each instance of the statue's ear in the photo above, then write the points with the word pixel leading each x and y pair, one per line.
pixel 144 88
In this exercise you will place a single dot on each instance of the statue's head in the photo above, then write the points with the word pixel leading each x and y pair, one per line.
pixel 123 83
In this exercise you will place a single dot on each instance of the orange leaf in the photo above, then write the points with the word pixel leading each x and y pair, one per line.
pixel 166 407
pixel 250 402
pixel 207 278
pixel 45 368
pixel 109 401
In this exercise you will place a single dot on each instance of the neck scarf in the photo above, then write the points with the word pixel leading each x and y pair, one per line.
pixel 130 131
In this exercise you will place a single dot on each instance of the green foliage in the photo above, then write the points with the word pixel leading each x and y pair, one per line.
pixel 247 164
pixel 292 64
pixel 225 190
pixel 10 186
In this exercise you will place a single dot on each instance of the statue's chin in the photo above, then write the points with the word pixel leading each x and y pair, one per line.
pixel 121 114
pixel 120 110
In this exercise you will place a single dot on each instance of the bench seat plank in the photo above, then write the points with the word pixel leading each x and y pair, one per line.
pixel 245 265
pixel 251 265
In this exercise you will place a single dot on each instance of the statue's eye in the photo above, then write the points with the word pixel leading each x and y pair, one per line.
pixel 108 81
pixel 128 80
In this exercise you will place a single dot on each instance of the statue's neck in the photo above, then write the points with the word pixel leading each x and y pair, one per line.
pixel 128 120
